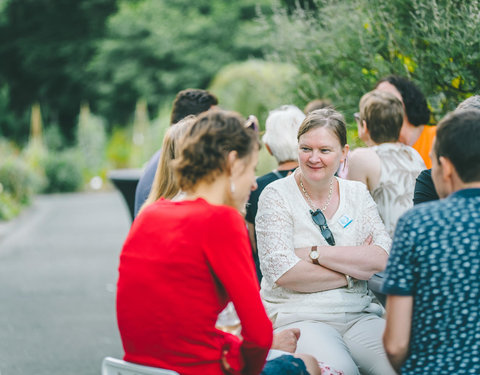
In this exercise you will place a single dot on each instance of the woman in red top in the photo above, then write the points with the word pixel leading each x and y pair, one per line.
pixel 183 261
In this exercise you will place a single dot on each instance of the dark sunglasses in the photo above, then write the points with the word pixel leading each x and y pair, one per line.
pixel 319 219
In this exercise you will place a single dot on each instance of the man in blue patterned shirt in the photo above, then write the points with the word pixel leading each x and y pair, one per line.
pixel 433 274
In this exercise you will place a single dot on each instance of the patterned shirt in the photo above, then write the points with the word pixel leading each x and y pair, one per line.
pixel 400 166
pixel 435 258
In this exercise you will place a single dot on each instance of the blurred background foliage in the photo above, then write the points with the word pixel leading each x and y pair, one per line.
pixel 87 86
pixel 342 48
pixel 255 86
pixel 153 49
pixel 45 47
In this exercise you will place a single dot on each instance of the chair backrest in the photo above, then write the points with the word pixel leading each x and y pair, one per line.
pixel 114 366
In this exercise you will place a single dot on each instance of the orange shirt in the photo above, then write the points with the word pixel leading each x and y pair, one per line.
pixel 424 144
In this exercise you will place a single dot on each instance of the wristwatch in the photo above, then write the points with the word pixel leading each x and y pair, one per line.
pixel 349 281
pixel 314 255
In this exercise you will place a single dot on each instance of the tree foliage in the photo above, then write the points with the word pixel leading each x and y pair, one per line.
pixel 438 44
pixel 254 87
pixel 112 53
pixel 156 48
pixel 57 53
pixel 343 48
pixel 45 46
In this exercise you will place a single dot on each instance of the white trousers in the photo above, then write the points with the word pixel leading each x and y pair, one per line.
pixel 349 342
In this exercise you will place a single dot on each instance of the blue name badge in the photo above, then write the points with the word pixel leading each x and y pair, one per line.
pixel 345 220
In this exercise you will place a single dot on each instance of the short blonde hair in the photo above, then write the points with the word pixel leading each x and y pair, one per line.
pixel 383 113
pixel 325 117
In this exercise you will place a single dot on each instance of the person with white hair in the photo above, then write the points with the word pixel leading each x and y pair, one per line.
pixel 280 139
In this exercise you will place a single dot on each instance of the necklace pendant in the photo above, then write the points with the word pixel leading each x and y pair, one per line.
pixel 309 200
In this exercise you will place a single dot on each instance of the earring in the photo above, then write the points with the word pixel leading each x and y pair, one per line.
pixel 344 163
pixel 232 187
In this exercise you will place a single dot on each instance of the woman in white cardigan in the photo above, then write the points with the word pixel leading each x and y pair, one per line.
pixel 320 238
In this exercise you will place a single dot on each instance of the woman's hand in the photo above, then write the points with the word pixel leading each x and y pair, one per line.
pixel 368 241
pixel 286 340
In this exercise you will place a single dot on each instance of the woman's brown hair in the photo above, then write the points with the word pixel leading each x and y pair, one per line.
pixel 205 147
pixel 325 117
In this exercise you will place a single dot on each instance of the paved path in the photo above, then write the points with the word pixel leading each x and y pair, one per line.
pixel 58 269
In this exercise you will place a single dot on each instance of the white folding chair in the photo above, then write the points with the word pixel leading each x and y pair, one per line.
pixel 114 366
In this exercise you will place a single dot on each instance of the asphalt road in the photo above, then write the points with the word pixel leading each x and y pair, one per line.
pixel 58 270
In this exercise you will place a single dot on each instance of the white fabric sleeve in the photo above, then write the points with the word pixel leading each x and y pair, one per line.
pixel 274 228
pixel 371 223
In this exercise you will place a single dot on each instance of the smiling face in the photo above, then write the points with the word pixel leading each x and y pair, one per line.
pixel 320 154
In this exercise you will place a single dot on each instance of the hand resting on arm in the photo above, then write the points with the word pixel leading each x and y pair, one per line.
pixel 286 340
pixel 360 262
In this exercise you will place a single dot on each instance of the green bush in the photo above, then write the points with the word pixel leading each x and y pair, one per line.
pixel 63 172
pixel 34 155
pixel 7 149
pixel 119 148
pixel 18 180
pixel 53 138
pixel 9 207
pixel 254 87
pixel 91 143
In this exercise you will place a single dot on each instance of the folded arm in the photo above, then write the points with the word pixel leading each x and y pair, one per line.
pixel 360 262
pixel 307 277
pixel 280 264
